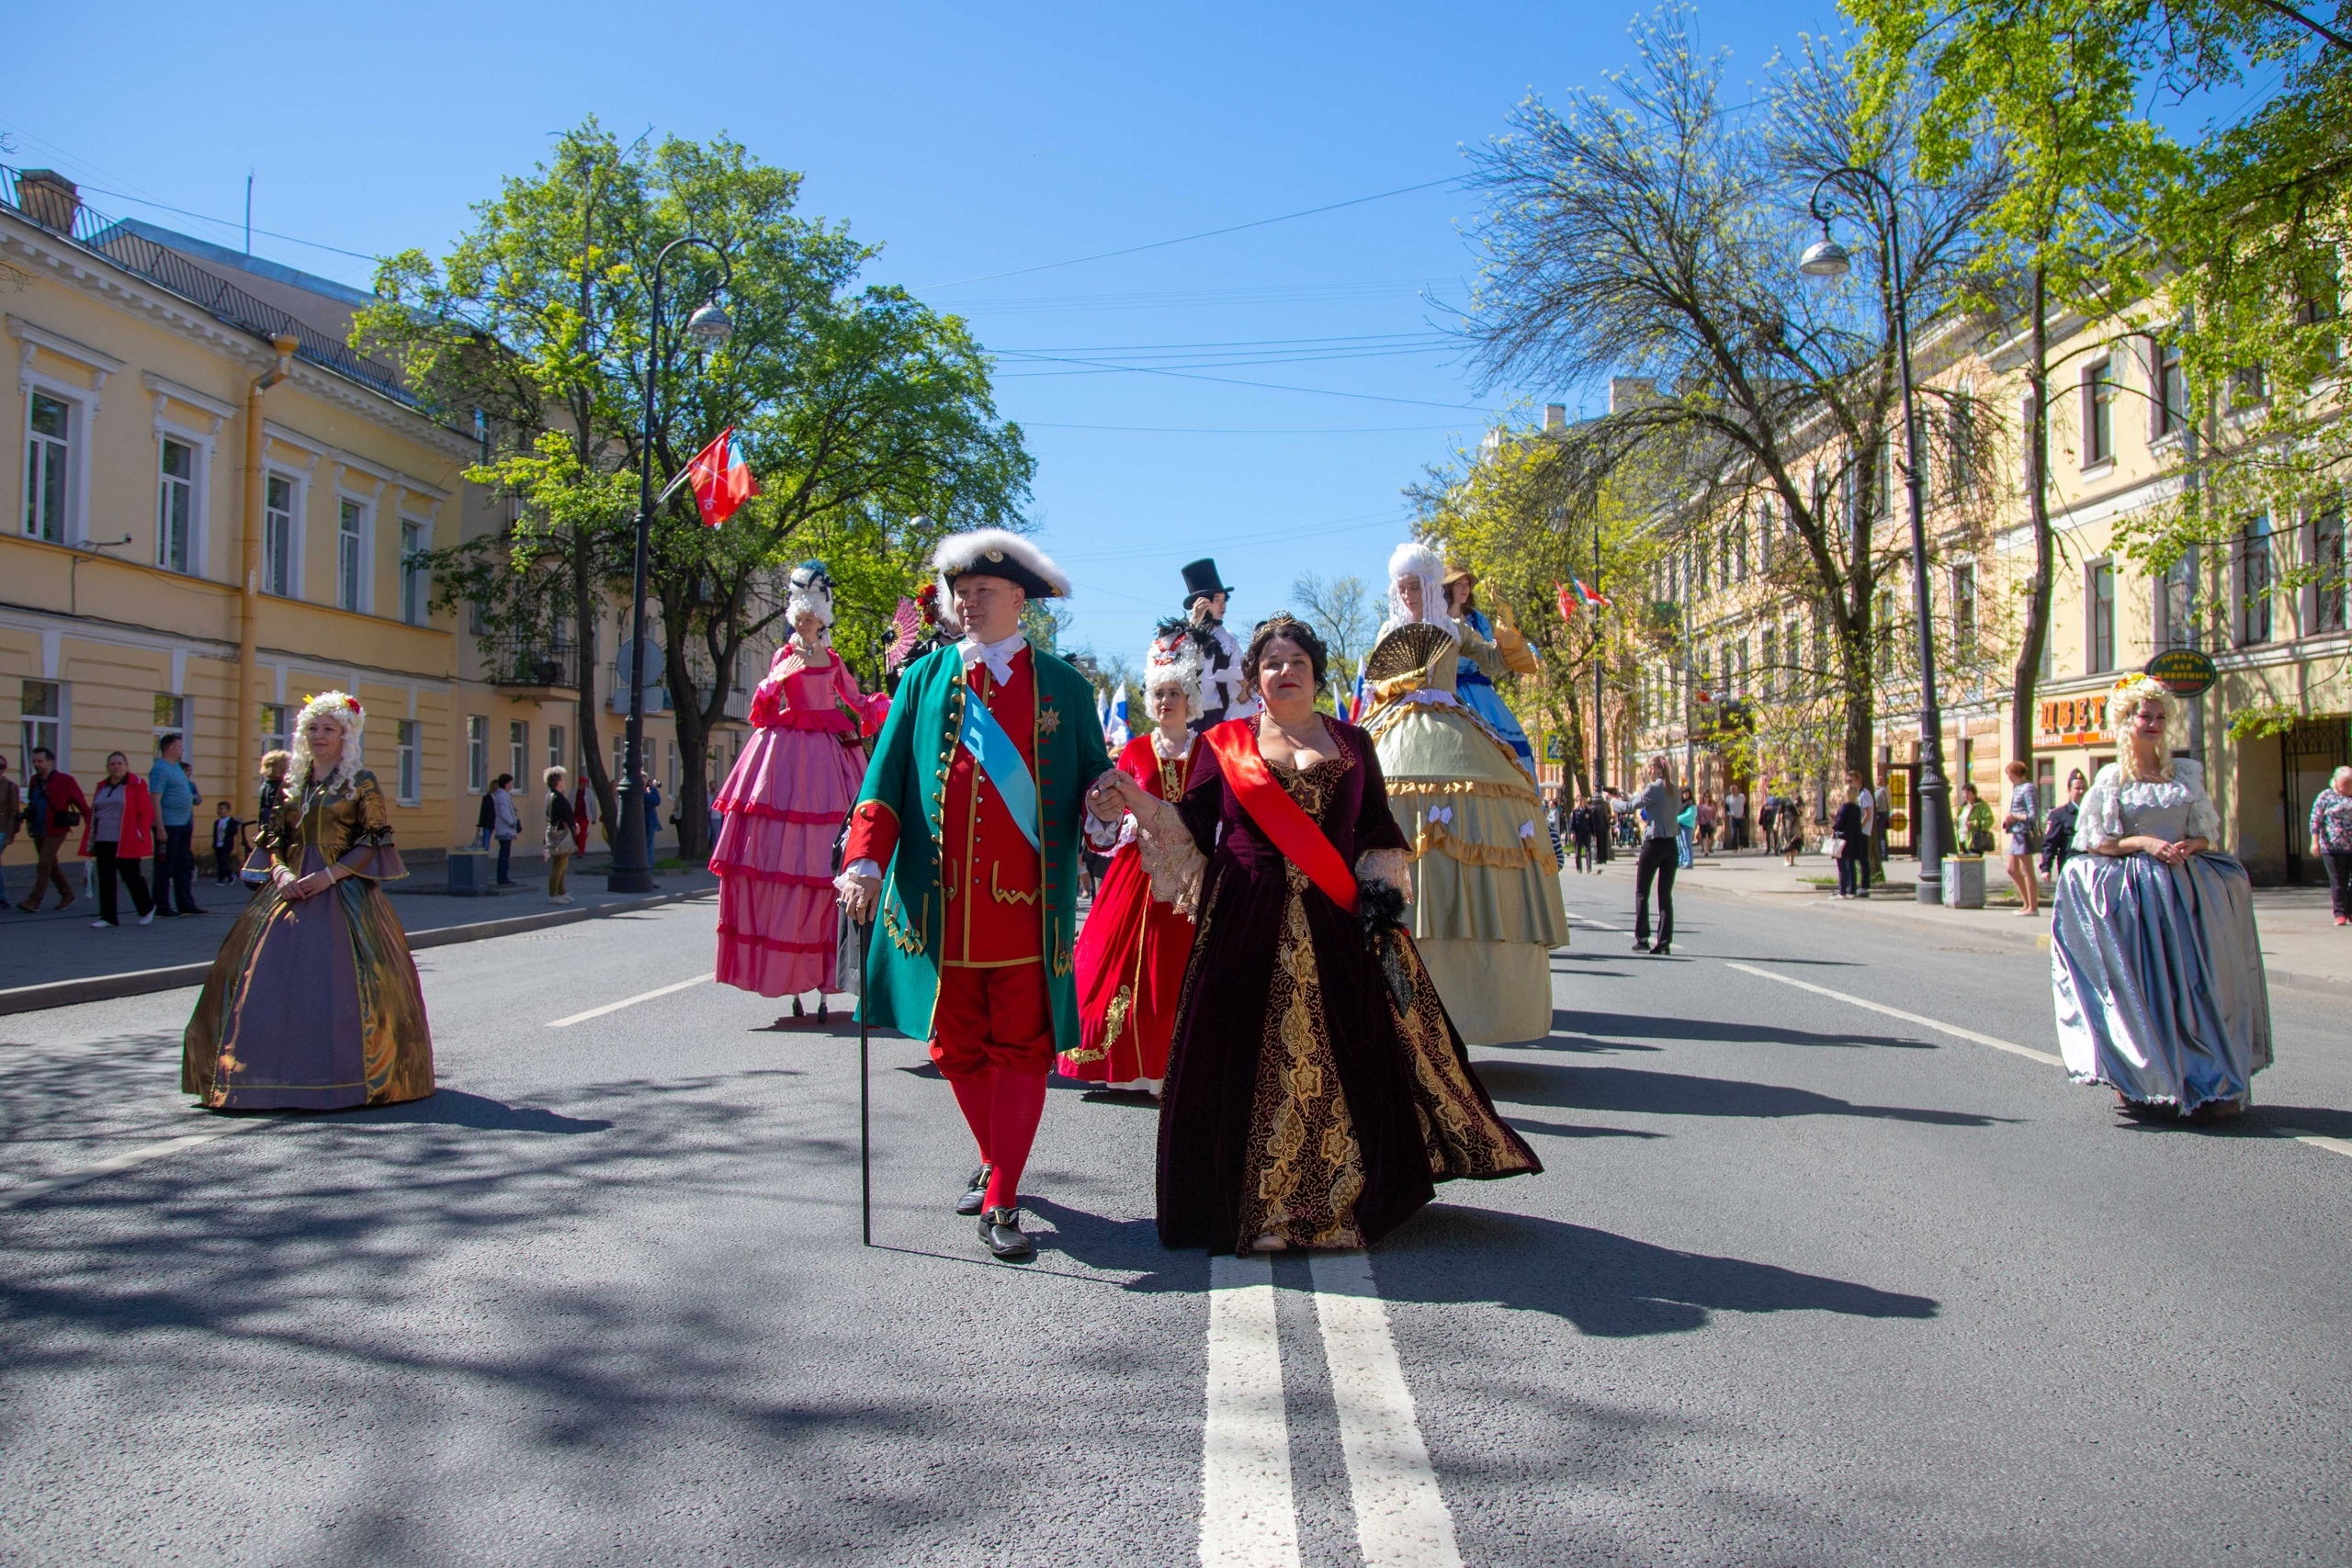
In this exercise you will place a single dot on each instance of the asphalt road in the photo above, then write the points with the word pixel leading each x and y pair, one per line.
pixel 1804 1283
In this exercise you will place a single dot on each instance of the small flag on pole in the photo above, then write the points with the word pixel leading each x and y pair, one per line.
pixel 1115 733
pixel 1567 602
pixel 722 479
pixel 1591 597
pixel 906 625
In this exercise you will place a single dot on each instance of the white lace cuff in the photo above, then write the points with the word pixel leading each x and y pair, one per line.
pixel 1169 857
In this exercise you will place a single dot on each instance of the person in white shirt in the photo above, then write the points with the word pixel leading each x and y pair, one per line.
pixel 1224 694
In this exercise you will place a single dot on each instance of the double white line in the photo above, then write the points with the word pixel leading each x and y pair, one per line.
pixel 1248 1519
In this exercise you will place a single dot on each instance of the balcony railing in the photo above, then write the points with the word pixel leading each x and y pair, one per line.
pixel 56 209
pixel 518 663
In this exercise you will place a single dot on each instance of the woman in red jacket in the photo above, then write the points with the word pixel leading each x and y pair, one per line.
pixel 119 834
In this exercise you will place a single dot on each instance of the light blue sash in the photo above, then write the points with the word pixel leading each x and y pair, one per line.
pixel 1001 760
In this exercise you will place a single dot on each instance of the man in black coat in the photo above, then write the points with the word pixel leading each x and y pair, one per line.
pixel 2058 834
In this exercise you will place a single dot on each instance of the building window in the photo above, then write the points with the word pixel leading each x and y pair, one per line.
pixel 1770 681
pixel 2170 414
pixel 415 584
pixel 49 467
pixel 1699 569
pixel 171 718
pixel 174 504
pixel 276 727
pixel 519 749
pixel 555 746
pixel 2255 569
pixel 2099 412
pixel 43 725
pixel 1885 631
pixel 2248 386
pixel 277 538
pixel 1739 552
pixel 2327 558
pixel 1963 609
pixel 620 758
pixel 411 765
pixel 2101 591
pixel 477 753
pixel 1741 689
pixel 351 556
pixel 2176 604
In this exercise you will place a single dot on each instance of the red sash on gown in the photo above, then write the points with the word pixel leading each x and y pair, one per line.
pixel 1281 818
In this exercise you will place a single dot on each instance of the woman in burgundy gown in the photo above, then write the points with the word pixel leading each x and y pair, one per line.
pixel 1317 1090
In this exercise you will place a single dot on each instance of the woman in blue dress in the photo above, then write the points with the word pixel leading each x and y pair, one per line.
pixel 1471 685
pixel 2155 966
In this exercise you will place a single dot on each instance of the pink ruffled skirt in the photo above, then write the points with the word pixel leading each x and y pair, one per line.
pixel 781 809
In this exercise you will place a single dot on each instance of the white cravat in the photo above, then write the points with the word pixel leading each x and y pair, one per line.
pixel 998 654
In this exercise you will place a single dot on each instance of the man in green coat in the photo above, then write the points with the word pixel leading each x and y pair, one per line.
pixel 964 843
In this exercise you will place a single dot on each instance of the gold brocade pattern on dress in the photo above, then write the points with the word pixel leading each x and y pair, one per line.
pixel 1461 1135
pixel 1306 1168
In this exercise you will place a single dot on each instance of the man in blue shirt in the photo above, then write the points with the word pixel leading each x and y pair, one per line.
pixel 175 802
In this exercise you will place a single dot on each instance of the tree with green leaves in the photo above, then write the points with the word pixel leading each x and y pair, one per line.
pixel 868 418
pixel 1344 612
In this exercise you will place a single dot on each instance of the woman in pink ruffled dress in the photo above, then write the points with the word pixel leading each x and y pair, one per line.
pixel 782 807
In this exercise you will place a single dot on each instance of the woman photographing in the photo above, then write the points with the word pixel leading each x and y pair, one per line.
pixel 2155 967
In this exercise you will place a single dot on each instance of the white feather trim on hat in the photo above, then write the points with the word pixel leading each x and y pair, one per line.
pixel 810 589
pixel 985 547
pixel 1174 659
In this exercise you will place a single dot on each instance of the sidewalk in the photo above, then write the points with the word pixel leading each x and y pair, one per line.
pixel 56 958
pixel 2300 946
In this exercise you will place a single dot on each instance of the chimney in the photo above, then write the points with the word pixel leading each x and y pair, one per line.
pixel 48 198
pixel 1628 392
pixel 1554 415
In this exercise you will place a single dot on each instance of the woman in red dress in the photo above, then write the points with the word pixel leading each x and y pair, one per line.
pixel 1131 952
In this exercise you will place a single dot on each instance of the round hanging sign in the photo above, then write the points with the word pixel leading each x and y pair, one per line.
pixel 2183 672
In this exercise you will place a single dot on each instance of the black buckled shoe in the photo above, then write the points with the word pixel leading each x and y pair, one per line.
pixel 974 1193
pixel 1001 1232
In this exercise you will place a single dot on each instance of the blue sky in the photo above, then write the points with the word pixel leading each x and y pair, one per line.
pixel 970 142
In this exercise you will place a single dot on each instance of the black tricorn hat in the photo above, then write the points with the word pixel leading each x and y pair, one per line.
pixel 1201 581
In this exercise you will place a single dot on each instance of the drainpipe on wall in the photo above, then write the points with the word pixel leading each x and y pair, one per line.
pixel 248 784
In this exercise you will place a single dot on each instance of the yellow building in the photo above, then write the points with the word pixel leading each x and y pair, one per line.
pixel 209 527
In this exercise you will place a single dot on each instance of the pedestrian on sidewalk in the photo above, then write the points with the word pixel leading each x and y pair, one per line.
pixel 652 815
pixel 173 790
pixel 1975 822
pixel 505 824
pixel 1736 818
pixel 228 844
pixel 1850 842
pixel 559 839
pixel 1659 810
pixel 119 834
pixel 1710 823
pixel 12 811
pixel 55 805
pixel 1685 824
pixel 2156 967
pixel 2023 824
pixel 2331 840
pixel 2058 837
pixel 1866 805
pixel 1580 831
pixel 273 787
pixel 585 813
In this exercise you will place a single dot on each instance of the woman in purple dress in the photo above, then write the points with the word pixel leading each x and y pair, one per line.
pixel 1316 1089
pixel 313 1003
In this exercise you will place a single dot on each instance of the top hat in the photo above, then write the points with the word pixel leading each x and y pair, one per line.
pixel 1201 581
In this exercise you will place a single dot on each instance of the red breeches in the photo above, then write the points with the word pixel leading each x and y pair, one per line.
pixel 992 1035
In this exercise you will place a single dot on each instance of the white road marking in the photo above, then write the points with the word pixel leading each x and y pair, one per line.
pixel 2317 1140
pixel 1953 1030
pixel 1401 1518
pixel 11 1197
pixel 626 1002
pixel 1247 1517
pixel 1597 925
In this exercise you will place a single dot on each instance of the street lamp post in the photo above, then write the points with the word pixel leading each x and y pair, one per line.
pixel 632 868
pixel 1932 806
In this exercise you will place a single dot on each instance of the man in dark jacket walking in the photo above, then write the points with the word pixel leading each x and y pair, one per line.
pixel 54 807
pixel 2058 833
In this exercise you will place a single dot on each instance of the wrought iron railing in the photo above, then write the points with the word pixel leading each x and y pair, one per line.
pixel 52 208
pixel 518 662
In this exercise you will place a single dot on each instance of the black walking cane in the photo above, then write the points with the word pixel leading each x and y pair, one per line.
pixel 864 1105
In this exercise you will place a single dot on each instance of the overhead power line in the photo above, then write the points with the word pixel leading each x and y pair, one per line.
pixel 1188 238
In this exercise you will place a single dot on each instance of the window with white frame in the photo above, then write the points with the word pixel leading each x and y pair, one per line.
pixel 2100 594
pixel 276 727
pixel 175 505
pixel 519 749
pixel 278 496
pixel 2257 569
pixel 49 467
pixel 555 747
pixel 2099 411
pixel 171 718
pixel 411 762
pixel 416 587
pixel 477 753
pixel 351 554
pixel 2169 413
pixel 42 723
pixel 2176 604
pixel 1768 666
pixel 2328 562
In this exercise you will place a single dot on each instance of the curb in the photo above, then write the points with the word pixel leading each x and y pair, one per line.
pixel 142 982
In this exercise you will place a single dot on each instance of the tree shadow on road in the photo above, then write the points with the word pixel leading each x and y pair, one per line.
pixel 457 1107
pixel 1644 1092
pixel 1608 1285
pixel 1652 1026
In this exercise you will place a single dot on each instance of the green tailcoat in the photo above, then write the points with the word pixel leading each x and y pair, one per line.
pixel 911 758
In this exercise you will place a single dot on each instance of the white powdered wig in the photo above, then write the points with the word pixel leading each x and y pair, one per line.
pixel 809 591
pixel 344 709
pixel 995 548
pixel 1413 559
pixel 1173 660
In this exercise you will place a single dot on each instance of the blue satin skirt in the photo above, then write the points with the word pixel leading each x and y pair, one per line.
pixel 2156 974
pixel 1479 695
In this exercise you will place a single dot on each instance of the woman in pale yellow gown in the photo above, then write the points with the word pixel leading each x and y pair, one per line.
pixel 1485 906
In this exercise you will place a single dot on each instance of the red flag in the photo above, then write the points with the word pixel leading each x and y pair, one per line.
pixel 1567 600
pixel 722 479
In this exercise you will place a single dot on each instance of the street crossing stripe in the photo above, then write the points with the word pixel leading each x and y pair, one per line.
pixel 1600 925
pixel 2317 1140
pixel 13 1196
pixel 1401 1518
pixel 1246 1517
pixel 626 1002
pixel 2028 1052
